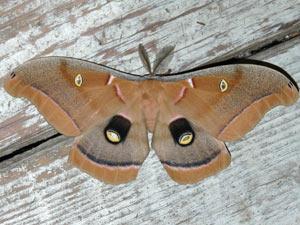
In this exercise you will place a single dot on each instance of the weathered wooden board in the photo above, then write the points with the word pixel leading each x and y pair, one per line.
pixel 108 32
pixel 262 185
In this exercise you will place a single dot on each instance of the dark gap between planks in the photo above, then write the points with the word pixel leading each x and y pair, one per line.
pixel 275 42
pixel 27 148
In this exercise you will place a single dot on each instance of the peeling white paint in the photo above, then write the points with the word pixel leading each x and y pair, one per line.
pixel 31 111
pixel 8 140
pixel 43 124
pixel 9 106
pixel 31 122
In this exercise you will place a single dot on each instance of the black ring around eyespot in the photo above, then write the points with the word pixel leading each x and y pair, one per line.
pixel 119 125
pixel 180 127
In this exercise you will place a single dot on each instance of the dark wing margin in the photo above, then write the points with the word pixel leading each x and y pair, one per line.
pixel 228 114
pixel 188 153
pixel 50 84
pixel 114 151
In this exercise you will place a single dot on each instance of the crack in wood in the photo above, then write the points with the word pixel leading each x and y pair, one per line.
pixel 27 148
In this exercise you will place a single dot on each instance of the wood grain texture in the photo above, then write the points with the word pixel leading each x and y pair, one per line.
pixel 262 184
pixel 109 33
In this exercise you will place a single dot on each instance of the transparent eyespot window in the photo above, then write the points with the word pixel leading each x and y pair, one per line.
pixel 113 136
pixel 78 80
pixel 186 139
pixel 223 85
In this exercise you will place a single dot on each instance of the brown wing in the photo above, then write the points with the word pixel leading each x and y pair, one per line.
pixel 113 151
pixel 228 101
pixel 188 153
pixel 69 93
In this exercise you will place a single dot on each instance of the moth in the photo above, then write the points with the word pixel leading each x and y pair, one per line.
pixel 191 114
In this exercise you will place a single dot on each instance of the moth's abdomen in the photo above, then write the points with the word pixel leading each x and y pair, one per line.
pixel 151 91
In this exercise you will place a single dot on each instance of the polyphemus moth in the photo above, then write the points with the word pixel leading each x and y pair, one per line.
pixel 190 113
